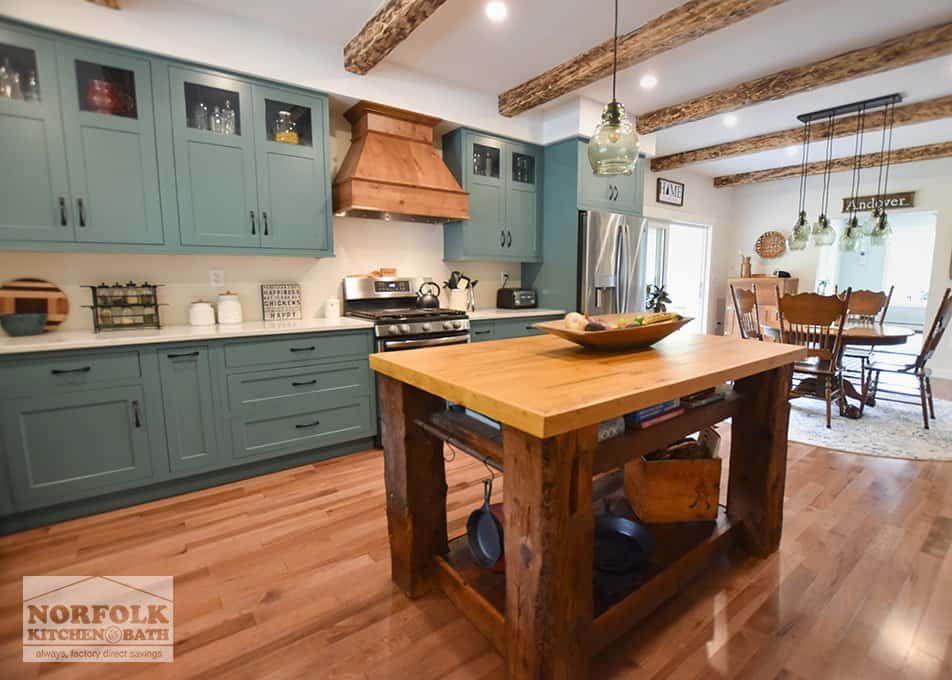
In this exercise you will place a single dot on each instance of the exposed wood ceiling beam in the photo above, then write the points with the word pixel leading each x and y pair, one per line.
pixel 902 51
pixel 111 4
pixel 680 25
pixel 386 29
pixel 911 154
pixel 919 112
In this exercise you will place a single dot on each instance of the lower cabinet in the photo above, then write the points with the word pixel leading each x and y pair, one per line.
pixel 72 445
pixel 187 397
pixel 501 329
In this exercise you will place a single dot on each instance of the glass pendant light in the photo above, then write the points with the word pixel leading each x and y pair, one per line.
pixel 881 228
pixel 800 235
pixel 851 235
pixel 869 224
pixel 613 148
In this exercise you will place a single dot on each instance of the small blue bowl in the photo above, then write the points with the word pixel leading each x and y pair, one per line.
pixel 23 323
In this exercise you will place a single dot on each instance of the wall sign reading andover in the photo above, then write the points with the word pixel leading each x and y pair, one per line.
pixel 904 199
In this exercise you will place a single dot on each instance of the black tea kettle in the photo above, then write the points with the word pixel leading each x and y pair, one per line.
pixel 427 299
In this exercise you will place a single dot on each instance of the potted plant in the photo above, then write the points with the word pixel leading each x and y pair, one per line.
pixel 657 298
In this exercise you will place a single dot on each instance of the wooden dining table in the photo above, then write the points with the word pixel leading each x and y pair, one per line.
pixel 855 334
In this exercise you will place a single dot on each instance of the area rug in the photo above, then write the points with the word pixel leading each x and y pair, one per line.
pixel 888 430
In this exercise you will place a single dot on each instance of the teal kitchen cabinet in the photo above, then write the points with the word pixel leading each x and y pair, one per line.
pixel 214 161
pixel 504 182
pixel 293 178
pixel 66 445
pixel 34 189
pixel 618 193
pixel 109 122
pixel 508 327
pixel 480 331
pixel 190 413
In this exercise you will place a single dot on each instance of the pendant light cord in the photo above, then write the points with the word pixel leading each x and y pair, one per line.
pixel 825 199
pixel 615 53
pixel 892 119
pixel 804 156
pixel 857 153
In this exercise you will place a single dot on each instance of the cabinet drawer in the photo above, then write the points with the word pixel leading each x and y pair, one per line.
pixel 36 376
pixel 341 381
pixel 518 328
pixel 296 349
pixel 299 425
pixel 482 330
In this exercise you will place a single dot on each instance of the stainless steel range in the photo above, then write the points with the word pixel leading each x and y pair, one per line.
pixel 391 303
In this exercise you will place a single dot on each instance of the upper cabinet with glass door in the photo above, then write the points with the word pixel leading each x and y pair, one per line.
pixel 109 122
pixel 34 190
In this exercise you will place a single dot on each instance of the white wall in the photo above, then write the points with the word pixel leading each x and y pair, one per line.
pixel 703 204
pixel 190 32
pixel 773 205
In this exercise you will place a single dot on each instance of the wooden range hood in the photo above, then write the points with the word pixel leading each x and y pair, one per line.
pixel 392 170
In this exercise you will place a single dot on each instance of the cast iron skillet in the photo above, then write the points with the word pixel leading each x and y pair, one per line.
pixel 484 531
pixel 622 545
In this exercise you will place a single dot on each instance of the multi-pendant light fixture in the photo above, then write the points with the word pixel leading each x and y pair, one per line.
pixel 876 227
pixel 613 148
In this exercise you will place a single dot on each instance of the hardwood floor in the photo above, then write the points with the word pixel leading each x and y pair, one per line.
pixel 287 576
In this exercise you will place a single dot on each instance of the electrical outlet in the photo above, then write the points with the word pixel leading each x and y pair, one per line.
pixel 216 278
pixel 503 278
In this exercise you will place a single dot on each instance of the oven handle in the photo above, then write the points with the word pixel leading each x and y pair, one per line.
pixel 428 342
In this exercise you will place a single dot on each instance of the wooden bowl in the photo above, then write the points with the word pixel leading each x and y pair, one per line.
pixel 638 337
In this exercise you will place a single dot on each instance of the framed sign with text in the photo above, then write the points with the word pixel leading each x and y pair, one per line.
pixel 670 192
pixel 903 199
pixel 281 301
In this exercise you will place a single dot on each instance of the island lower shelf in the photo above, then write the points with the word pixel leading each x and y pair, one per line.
pixel 683 551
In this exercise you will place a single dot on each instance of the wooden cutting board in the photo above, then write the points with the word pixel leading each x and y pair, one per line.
pixel 35 295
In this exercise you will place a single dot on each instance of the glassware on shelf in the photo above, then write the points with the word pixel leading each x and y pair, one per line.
pixel 16 91
pixel 285 129
pixel 31 89
pixel 217 122
pixel 6 75
pixel 200 118
pixel 228 119
pixel 102 97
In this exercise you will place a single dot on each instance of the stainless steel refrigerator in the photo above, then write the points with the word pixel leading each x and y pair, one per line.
pixel 611 273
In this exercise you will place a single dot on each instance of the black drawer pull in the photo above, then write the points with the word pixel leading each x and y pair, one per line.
pixel 485 332
pixel 530 328
pixel 314 424
pixel 82 212
pixel 304 349
pixel 264 216
pixel 183 355
pixel 135 413
pixel 306 382
pixel 62 209
pixel 64 371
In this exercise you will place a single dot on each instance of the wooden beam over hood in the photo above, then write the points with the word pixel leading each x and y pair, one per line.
pixel 390 26
pixel 681 25
pixel 895 53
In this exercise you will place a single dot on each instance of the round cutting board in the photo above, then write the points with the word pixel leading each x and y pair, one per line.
pixel 35 295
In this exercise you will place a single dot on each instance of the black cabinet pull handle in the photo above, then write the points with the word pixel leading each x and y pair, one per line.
pixel 508 239
pixel 64 371
pixel 530 328
pixel 253 226
pixel 135 413
pixel 82 212
pixel 314 424
pixel 183 355
pixel 485 332
pixel 302 384
pixel 62 208
pixel 502 238
pixel 264 216
pixel 304 349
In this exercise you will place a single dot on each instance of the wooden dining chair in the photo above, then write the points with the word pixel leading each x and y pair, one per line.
pixel 815 322
pixel 918 369
pixel 748 312
pixel 866 306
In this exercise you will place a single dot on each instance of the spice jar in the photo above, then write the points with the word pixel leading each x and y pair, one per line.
pixel 285 129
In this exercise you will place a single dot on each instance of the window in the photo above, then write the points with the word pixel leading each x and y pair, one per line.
pixel 908 264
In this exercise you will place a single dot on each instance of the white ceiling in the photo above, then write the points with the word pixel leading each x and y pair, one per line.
pixel 458 44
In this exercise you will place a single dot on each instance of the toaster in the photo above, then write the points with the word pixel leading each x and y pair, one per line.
pixel 516 298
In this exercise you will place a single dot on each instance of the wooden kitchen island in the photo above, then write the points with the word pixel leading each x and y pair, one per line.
pixel 549 395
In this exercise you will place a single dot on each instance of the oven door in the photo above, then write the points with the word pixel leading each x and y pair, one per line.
pixel 398 344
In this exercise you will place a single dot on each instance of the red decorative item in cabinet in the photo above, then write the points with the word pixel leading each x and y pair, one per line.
pixel 102 96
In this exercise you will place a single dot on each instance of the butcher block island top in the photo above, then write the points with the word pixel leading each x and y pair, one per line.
pixel 544 385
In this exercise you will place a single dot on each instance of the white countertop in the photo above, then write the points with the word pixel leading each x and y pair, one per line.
pixel 67 340
pixel 489 314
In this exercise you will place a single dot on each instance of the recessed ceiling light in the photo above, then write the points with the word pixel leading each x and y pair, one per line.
pixel 496 10
pixel 731 120
pixel 648 81
pixel 792 150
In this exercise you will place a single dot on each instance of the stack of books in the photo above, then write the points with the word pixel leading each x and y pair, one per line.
pixel 704 397
pixel 652 415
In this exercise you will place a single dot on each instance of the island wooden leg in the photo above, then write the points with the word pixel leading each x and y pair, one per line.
pixel 758 466
pixel 549 533
pixel 416 485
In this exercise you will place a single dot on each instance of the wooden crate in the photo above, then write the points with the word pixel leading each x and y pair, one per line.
pixel 675 490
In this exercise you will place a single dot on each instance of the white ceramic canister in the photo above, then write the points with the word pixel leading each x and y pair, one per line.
pixel 332 309
pixel 229 308
pixel 201 313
